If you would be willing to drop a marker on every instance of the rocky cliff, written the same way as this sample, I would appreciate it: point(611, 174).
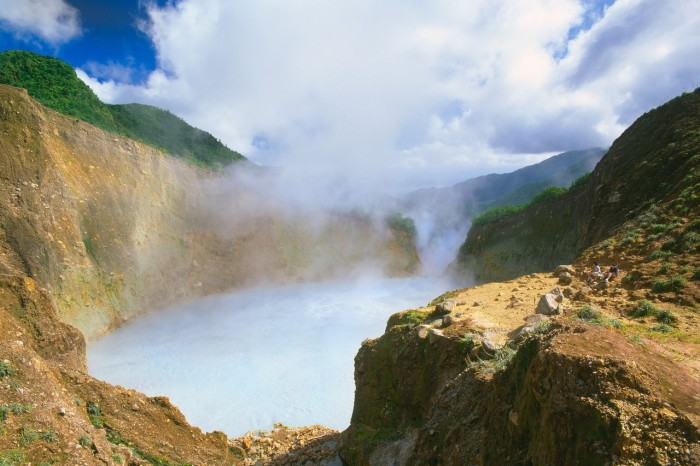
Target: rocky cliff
point(113, 228)
point(653, 162)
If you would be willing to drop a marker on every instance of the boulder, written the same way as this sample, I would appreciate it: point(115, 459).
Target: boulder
point(488, 349)
point(514, 302)
point(565, 278)
point(446, 306)
point(549, 303)
point(564, 268)
point(533, 319)
point(558, 295)
point(435, 335)
point(423, 331)
point(583, 293)
point(523, 332)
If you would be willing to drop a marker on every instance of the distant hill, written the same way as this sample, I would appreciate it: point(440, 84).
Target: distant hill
point(55, 84)
point(478, 194)
point(443, 215)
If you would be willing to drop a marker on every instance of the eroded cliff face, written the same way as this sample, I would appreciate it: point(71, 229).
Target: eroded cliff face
point(92, 217)
point(113, 228)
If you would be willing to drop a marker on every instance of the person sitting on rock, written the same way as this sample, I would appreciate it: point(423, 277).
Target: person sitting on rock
point(612, 273)
point(596, 273)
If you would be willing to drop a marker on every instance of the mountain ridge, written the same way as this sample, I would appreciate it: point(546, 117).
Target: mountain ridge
point(55, 84)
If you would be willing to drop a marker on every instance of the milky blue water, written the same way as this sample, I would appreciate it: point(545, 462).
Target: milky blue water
point(241, 361)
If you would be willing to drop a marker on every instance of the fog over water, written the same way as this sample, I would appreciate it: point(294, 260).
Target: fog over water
point(241, 361)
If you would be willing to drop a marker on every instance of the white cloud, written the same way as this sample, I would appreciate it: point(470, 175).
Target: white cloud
point(54, 21)
point(415, 93)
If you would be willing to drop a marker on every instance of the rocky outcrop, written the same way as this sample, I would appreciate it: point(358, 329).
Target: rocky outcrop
point(486, 389)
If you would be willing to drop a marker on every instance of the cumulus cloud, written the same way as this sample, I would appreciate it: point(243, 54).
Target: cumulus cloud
point(408, 94)
point(53, 21)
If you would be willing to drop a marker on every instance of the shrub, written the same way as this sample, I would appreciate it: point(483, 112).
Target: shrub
point(5, 369)
point(663, 328)
point(396, 221)
point(614, 323)
point(12, 457)
point(467, 340)
point(496, 213)
point(581, 181)
point(630, 238)
point(659, 254)
point(644, 309)
point(86, 441)
point(588, 313)
point(660, 228)
point(632, 277)
point(547, 194)
point(665, 268)
point(28, 435)
point(605, 244)
point(14, 408)
point(696, 275)
point(95, 414)
point(666, 317)
point(672, 284)
point(542, 326)
point(499, 362)
point(689, 241)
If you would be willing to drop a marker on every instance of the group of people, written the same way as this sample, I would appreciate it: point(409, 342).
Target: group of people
point(597, 275)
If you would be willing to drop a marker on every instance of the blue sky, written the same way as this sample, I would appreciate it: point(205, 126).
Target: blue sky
point(394, 93)
point(107, 33)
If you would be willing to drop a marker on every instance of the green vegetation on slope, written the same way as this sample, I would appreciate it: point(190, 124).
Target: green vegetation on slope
point(500, 212)
point(173, 135)
point(55, 84)
point(398, 222)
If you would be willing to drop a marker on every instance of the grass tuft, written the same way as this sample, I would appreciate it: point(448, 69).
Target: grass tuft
point(5, 369)
point(672, 284)
point(644, 309)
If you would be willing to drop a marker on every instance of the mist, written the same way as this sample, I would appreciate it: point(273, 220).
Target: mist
point(280, 225)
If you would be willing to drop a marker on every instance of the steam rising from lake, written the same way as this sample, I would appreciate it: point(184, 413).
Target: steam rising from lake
point(241, 361)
